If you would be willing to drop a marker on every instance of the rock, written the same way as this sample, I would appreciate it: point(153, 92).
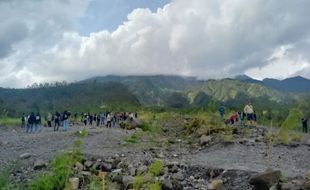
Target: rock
point(174, 169)
point(293, 185)
point(161, 155)
point(115, 162)
point(25, 156)
point(74, 182)
point(265, 180)
point(167, 184)
point(178, 176)
point(86, 173)
point(141, 169)
point(127, 182)
point(39, 164)
point(88, 164)
point(215, 184)
point(176, 185)
point(79, 166)
point(131, 123)
point(132, 171)
point(205, 140)
point(106, 167)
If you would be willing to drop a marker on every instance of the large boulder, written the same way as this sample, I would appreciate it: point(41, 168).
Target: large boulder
point(131, 123)
point(265, 180)
point(39, 164)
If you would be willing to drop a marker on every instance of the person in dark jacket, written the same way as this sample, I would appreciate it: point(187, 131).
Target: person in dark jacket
point(57, 121)
point(304, 122)
point(38, 123)
point(30, 123)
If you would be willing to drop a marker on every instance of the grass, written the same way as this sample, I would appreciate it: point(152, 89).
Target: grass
point(156, 168)
point(307, 180)
point(60, 170)
point(5, 183)
point(149, 180)
point(8, 121)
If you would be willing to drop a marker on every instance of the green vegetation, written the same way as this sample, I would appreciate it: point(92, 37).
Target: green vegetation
point(5, 183)
point(293, 120)
point(307, 180)
point(7, 121)
point(60, 169)
point(149, 179)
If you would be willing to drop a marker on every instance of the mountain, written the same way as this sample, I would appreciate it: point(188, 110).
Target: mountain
point(76, 97)
point(294, 84)
point(246, 78)
point(151, 90)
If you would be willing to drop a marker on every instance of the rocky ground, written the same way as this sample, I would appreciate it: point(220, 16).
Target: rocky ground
point(211, 163)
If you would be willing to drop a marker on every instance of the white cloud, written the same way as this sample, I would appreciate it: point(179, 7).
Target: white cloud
point(204, 38)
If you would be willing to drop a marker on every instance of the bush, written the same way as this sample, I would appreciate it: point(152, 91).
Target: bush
point(137, 182)
point(156, 168)
point(283, 136)
point(307, 180)
point(154, 186)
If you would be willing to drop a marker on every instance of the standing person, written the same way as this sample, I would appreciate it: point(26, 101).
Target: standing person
point(38, 123)
point(91, 117)
point(304, 122)
point(249, 111)
point(109, 121)
point(75, 116)
point(102, 117)
point(57, 122)
point(98, 120)
point(30, 123)
point(222, 111)
point(65, 118)
point(49, 119)
point(113, 120)
point(85, 119)
point(23, 120)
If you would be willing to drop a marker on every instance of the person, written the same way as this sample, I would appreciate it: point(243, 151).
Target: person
point(304, 122)
point(49, 119)
point(65, 118)
point(85, 119)
point(102, 117)
point(222, 111)
point(38, 123)
point(30, 123)
point(57, 122)
point(23, 119)
point(109, 120)
point(98, 120)
point(75, 116)
point(249, 111)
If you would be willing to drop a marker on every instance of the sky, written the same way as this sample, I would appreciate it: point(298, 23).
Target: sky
point(56, 40)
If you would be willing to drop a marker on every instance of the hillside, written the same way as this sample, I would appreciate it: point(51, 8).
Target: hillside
point(76, 97)
point(294, 84)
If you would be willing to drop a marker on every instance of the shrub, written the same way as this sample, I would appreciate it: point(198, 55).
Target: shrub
point(154, 186)
point(307, 180)
point(283, 136)
point(137, 182)
point(156, 168)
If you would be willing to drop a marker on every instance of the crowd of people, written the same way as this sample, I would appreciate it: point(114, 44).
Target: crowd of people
point(248, 114)
point(32, 123)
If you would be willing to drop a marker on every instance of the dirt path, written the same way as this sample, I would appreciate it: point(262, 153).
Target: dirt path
point(293, 161)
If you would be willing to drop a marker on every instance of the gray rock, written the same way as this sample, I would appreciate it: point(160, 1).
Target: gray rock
point(74, 182)
point(293, 185)
point(106, 167)
point(167, 184)
point(205, 140)
point(215, 184)
point(86, 173)
point(39, 164)
point(127, 182)
point(25, 156)
point(178, 176)
point(88, 164)
point(79, 166)
point(141, 169)
point(265, 180)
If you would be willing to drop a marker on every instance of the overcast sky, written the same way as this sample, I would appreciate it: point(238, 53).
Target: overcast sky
point(55, 40)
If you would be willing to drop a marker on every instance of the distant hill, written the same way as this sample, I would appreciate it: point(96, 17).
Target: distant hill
point(76, 97)
point(294, 84)
point(152, 90)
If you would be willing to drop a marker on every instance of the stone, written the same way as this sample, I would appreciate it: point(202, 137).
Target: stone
point(161, 155)
point(79, 166)
point(167, 184)
point(86, 173)
point(216, 184)
point(88, 164)
point(142, 169)
point(127, 182)
point(265, 180)
point(106, 167)
point(25, 156)
point(174, 169)
point(204, 139)
point(74, 182)
point(178, 176)
point(39, 164)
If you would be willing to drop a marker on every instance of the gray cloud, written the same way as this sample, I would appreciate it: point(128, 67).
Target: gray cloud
point(204, 38)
